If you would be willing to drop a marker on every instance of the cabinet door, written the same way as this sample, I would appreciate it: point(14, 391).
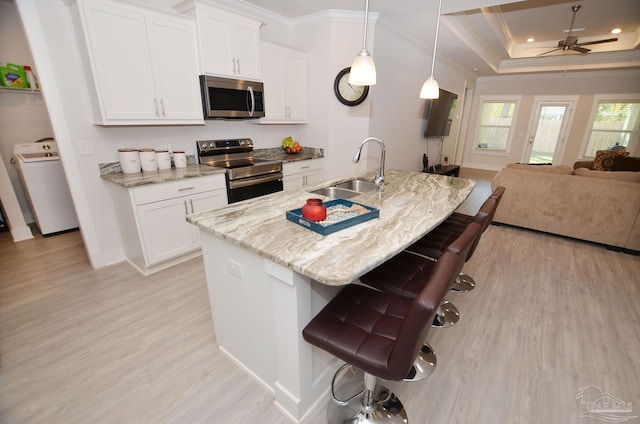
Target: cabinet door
point(164, 231)
point(246, 49)
point(215, 43)
point(285, 74)
point(313, 177)
point(172, 44)
point(204, 202)
point(292, 182)
point(121, 64)
point(274, 80)
point(297, 86)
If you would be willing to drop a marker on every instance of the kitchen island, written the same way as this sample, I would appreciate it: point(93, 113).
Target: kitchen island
point(267, 277)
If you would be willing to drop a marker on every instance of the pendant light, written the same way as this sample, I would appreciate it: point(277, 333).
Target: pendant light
point(430, 89)
point(363, 70)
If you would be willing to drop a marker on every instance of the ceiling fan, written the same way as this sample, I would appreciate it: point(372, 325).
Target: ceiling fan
point(571, 42)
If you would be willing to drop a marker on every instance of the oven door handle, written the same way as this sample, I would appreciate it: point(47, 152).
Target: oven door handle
point(245, 182)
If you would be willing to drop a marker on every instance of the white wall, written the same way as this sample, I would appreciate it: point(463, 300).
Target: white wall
point(585, 85)
point(397, 112)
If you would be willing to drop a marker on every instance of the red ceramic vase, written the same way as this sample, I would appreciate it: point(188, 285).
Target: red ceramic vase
point(314, 210)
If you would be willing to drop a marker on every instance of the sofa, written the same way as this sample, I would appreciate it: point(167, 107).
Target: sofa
point(582, 203)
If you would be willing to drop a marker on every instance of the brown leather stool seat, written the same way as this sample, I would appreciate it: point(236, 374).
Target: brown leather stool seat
point(381, 333)
point(436, 242)
point(404, 273)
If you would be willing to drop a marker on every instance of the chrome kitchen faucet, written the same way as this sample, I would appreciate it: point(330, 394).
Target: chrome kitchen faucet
point(380, 173)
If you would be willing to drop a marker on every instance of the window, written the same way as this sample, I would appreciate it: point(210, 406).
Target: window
point(496, 119)
point(614, 124)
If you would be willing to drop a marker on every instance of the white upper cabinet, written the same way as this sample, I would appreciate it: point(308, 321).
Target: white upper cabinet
point(229, 43)
point(285, 74)
point(144, 65)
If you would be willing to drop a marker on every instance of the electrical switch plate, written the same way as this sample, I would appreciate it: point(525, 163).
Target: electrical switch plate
point(85, 148)
point(235, 268)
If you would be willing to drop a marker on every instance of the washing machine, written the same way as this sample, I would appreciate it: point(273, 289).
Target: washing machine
point(45, 184)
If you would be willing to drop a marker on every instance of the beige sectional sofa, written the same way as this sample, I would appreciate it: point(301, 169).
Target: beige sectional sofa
point(597, 206)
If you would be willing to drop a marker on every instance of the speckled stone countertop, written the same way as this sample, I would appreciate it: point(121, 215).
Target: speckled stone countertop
point(160, 176)
point(411, 204)
point(278, 153)
point(111, 171)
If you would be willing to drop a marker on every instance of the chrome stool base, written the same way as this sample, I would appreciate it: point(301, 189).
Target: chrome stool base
point(386, 407)
point(463, 283)
point(424, 365)
point(446, 316)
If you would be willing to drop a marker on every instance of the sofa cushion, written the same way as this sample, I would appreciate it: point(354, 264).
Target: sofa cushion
point(630, 176)
point(604, 159)
point(625, 163)
point(550, 169)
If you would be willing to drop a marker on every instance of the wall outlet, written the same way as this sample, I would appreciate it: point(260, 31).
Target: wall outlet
point(235, 269)
point(85, 148)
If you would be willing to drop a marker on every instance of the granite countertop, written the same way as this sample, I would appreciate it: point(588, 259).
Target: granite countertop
point(111, 171)
point(277, 153)
point(411, 204)
point(160, 176)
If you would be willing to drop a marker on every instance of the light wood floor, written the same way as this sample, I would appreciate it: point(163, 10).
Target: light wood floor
point(549, 316)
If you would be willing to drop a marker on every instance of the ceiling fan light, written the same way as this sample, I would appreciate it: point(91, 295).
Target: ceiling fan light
point(363, 70)
point(430, 89)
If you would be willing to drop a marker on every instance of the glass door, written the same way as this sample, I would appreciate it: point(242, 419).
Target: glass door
point(547, 132)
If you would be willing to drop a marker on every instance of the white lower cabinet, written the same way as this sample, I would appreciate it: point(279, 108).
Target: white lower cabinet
point(153, 224)
point(302, 173)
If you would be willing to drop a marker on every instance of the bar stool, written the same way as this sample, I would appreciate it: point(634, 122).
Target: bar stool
point(381, 334)
point(405, 275)
point(436, 241)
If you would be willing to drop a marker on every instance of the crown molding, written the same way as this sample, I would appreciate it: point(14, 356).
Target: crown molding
point(572, 62)
point(606, 73)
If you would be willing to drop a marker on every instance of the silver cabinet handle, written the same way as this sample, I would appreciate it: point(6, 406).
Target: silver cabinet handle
point(233, 60)
point(186, 210)
point(186, 188)
point(162, 107)
point(155, 106)
point(191, 203)
point(238, 60)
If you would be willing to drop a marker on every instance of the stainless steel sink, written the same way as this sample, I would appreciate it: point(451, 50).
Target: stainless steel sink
point(346, 189)
point(361, 186)
point(336, 192)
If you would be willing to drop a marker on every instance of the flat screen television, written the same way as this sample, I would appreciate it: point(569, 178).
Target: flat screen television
point(439, 114)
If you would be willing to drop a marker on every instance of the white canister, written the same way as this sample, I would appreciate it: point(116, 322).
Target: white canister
point(129, 160)
point(179, 159)
point(164, 159)
point(148, 159)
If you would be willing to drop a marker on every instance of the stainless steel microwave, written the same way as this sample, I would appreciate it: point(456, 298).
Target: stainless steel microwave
point(230, 98)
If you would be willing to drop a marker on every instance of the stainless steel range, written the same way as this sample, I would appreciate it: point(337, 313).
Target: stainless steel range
point(246, 176)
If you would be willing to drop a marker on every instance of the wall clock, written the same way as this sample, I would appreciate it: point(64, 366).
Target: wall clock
point(347, 94)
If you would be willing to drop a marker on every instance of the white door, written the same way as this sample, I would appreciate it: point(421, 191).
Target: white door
point(548, 132)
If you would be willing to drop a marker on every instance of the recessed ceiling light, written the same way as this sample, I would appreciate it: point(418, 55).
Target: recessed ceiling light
point(616, 31)
point(530, 40)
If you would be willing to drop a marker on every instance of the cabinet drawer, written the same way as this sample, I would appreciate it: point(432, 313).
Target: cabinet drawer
point(296, 167)
point(169, 190)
